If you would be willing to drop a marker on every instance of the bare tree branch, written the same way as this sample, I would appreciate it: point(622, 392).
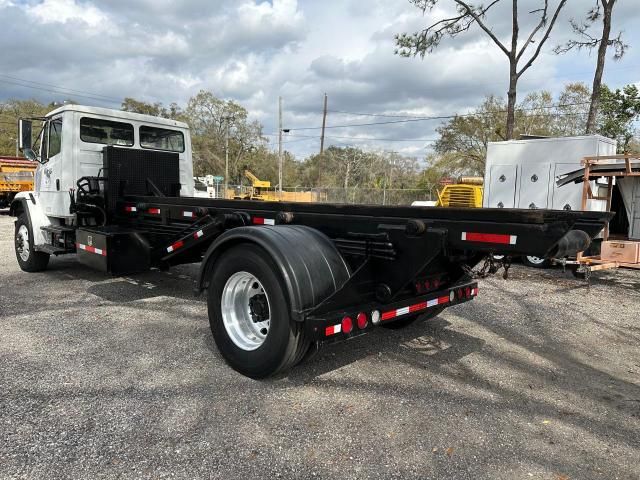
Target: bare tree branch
point(477, 18)
point(543, 21)
point(467, 15)
point(543, 39)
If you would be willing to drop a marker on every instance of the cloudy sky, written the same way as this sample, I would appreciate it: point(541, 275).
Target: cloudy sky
point(99, 52)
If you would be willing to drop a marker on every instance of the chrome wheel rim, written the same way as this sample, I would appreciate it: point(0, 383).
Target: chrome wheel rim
point(22, 243)
point(535, 260)
point(246, 313)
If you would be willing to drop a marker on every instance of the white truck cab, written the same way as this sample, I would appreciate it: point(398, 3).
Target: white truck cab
point(70, 147)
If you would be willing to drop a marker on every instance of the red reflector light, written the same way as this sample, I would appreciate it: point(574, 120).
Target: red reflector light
point(427, 284)
point(362, 320)
point(459, 293)
point(347, 325)
point(467, 292)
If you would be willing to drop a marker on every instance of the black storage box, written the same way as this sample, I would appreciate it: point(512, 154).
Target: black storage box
point(112, 249)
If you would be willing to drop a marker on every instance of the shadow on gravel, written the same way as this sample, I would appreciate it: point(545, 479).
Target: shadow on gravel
point(575, 378)
point(423, 344)
point(622, 277)
point(622, 280)
point(177, 283)
point(145, 286)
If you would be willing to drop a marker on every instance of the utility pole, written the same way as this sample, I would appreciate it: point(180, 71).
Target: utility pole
point(226, 159)
point(324, 123)
point(280, 146)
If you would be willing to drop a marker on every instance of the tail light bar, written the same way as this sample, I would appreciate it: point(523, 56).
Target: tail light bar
point(377, 316)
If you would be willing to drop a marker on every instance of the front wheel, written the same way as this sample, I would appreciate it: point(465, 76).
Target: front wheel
point(536, 262)
point(28, 259)
point(249, 314)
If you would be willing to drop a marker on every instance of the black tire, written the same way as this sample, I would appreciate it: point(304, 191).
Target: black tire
point(34, 261)
point(285, 343)
point(537, 263)
point(405, 322)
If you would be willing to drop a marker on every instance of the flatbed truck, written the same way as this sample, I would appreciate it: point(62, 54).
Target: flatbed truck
point(281, 279)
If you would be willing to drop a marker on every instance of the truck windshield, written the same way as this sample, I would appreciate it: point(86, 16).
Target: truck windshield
point(161, 139)
point(97, 130)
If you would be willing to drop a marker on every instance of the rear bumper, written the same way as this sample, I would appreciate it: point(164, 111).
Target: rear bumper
point(336, 326)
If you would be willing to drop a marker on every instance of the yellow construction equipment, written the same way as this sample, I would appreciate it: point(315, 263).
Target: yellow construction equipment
point(262, 190)
point(257, 190)
point(16, 175)
point(466, 192)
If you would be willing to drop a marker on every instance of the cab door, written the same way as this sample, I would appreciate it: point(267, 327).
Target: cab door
point(49, 181)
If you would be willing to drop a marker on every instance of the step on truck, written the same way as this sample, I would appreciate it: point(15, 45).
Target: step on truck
point(115, 189)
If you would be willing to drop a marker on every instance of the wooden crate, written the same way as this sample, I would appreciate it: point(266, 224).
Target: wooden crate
point(620, 251)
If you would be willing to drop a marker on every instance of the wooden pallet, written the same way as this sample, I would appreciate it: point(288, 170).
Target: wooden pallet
point(596, 263)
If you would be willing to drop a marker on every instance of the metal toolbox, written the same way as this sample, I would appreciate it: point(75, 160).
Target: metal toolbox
point(112, 249)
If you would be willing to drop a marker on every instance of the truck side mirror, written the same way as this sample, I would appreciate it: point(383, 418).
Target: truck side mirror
point(24, 136)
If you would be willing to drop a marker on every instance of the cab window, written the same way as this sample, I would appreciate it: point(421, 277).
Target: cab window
point(106, 132)
point(161, 139)
point(42, 141)
point(55, 137)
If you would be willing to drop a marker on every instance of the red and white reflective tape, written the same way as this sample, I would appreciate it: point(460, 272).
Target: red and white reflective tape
point(502, 239)
point(90, 249)
point(414, 308)
point(174, 246)
point(332, 330)
point(188, 214)
point(198, 234)
point(263, 221)
point(129, 208)
point(474, 292)
point(154, 211)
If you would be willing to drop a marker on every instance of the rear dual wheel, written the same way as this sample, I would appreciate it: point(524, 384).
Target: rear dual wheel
point(249, 314)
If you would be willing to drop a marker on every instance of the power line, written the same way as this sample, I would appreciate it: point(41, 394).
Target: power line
point(61, 88)
point(359, 138)
point(91, 97)
point(421, 117)
point(289, 141)
point(445, 117)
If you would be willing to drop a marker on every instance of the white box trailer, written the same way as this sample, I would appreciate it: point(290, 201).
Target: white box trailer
point(523, 173)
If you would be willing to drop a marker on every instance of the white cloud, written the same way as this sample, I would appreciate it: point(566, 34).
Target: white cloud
point(63, 11)
point(279, 14)
point(255, 50)
point(167, 43)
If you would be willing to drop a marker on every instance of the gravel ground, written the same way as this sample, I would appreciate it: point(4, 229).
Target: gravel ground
point(119, 378)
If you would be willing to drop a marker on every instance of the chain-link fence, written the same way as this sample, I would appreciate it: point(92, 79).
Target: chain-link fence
point(351, 195)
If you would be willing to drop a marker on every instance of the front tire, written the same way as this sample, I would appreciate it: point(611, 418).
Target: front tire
point(28, 259)
point(249, 314)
